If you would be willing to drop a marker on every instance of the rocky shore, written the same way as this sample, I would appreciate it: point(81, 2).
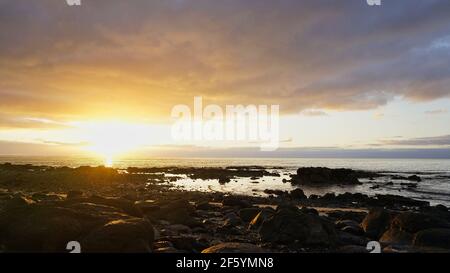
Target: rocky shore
point(134, 210)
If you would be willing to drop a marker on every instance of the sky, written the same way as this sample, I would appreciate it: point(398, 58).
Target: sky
point(103, 77)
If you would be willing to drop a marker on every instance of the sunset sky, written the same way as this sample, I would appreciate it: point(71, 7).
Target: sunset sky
point(104, 76)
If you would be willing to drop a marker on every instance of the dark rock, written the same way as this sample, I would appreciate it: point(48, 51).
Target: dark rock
point(260, 218)
point(132, 235)
point(389, 200)
point(298, 194)
point(376, 222)
point(345, 223)
point(187, 243)
point(436, 238)
point(236, 201)
point(162, 244)
point(74, 194)
point(324, 176)
point(276, 192)
point(147, 206)
point(413, 222)
point(234, 248)
point(289, 225)
point(204, 206)
point(355, 230)
point(248, 214)
point(344, 238)
point(394, 236)
point(176, 212)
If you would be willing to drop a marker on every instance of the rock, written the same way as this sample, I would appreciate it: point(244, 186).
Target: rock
point(176, 212)
point(376, 222)
point(177, 228)
point(355, 230)
point(390, 200)
point(435, 237)
point(187, 243)
point(413, 222)
point(17, 201)
point(276, 192)
point(235, 201)
point(46, 197)
point(133, 235)
point(147, 206)
point(248, 214)
point(231, 219)
point(125, 205)
point(344, 223)
point(167, 250)
point(345, 238)
point(289, 225)
point(260, 218)
point(204, 206)
point(38, 228)
point(162, 244)
point(394, 236)
point(352, 249)
point(74, 194)
point(324, 176)
point(311, 211)
point(234, 248)
point(298, 194)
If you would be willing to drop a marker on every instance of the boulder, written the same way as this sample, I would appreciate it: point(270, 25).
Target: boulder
point(376, 222)
point(235, 201)
point(394, 236)
point(234, 248)
point(317, 176)
point(413, 222)
point(248, 214)
point(289, 225)
point(298, 194)
point(119, 236)
point(435, 238)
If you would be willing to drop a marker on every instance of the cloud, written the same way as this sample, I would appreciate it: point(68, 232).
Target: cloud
point(313, 113)
point(436, 112)
point(111, 58)
point(421, 141)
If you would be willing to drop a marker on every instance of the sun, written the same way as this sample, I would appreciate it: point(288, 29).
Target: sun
point(113, 139)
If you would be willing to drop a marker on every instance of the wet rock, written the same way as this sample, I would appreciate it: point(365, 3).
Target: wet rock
point(311, 211)
point(394, 236)
point(345, 223)
point(298, 194)
point(436, 238)
point(132, 235)
point(276, 192)
point(289, 225)
point(125, 205)
point(376, 222)
point(234, 248)
point(231, 220)
point(317, 176)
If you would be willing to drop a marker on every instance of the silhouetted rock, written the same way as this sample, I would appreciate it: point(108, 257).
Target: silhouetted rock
point(376, 222)
point(318, 176)
point(298, 194)
point(289, 225)
point(436, 237)
point(119, 236)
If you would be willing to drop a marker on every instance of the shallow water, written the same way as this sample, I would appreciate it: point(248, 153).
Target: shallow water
point(435, 173)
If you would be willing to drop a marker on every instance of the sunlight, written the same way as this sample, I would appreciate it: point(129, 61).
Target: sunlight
point(112, 139)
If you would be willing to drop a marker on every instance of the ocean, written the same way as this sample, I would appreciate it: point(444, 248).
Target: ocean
point(434, 187)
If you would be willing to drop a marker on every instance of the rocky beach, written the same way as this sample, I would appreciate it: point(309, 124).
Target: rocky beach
point(136, 210)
